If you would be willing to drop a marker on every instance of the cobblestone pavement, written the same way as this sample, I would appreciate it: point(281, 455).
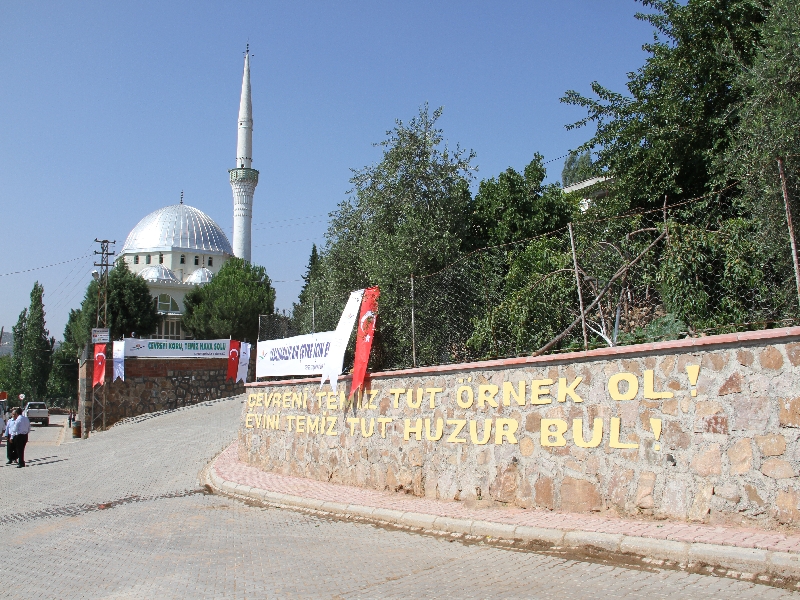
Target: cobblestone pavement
point(120, 516)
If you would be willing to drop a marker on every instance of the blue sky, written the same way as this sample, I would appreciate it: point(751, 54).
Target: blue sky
point(108, 110)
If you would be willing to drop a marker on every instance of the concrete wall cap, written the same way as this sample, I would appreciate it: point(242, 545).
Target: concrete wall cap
point(775, 336)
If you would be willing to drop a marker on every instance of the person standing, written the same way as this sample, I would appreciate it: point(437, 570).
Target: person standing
point(22, 427)
point(11, 454)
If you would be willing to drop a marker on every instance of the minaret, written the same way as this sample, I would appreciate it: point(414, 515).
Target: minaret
point(244, 179)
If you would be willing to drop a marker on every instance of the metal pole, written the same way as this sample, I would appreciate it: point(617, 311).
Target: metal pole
point(791, 228)
point(578, 285)
point(313, 315)
point(413, 327)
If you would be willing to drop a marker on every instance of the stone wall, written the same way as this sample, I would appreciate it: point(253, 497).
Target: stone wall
point(704, 429)
point(154, 384)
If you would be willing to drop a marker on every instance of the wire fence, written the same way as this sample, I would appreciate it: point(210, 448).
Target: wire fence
point(679, 271)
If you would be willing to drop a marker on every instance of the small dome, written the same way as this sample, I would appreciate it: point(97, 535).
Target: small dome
point(159, 273)
point(201, 275)
point(179, 226)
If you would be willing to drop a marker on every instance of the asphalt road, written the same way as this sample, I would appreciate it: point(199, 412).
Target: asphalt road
point(121, 515)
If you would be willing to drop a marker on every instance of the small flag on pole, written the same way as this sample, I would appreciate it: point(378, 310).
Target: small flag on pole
point(119, 360)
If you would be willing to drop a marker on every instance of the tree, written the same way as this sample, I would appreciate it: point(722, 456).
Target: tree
point(230, 304)
point(515, 206)
point(409, 214)
point(769, 121)
point(131, 308)
point(130, 305)
point(665, 137)
point(63, 381)
point(577, 168)
point(14, 383)
point(6, 377)
point(304, 311)
point(37, 348)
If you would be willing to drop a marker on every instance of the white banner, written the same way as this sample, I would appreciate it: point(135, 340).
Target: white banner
point(176, 348)
point(335, 360)
point(119, 361)
point(244, 362)
point(299, 355)
point(311, 354)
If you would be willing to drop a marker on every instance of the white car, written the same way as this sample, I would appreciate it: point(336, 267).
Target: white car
point(37, 412)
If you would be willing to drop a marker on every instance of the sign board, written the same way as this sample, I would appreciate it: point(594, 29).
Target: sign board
point(100, 336)
point(3, 395)
point(136, 348)
point(299, 355)
point(312, 354)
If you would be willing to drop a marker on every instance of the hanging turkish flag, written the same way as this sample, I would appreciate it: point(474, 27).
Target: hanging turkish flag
point(233, 360)
point(99, 377)
point(364, 336)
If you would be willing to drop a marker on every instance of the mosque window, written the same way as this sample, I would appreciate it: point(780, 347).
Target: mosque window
point(161, 258)
point(197, 260)
point(183, 259)
point(210, 262)
point(147, 259)
point(136, 259)
point(166, 303)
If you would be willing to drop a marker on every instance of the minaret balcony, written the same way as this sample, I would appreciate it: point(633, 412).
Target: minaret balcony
point(244, 175)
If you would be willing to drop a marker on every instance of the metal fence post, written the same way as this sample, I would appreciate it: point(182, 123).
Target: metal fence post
point(789, 224)
point(413, 327)
point(578, 284)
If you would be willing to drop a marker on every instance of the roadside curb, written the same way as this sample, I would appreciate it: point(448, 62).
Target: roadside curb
point(754, 564)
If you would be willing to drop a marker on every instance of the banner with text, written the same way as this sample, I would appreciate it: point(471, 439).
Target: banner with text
point(299, 355)
point(135, 348)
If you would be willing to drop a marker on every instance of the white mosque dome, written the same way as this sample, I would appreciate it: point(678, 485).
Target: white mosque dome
point(177, 227)
point(159, 274)
point(201, 275)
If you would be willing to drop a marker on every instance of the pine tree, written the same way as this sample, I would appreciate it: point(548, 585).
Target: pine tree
point(37, 348)
point(18, 336)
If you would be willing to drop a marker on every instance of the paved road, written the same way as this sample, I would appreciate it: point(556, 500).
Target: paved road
point(52, 435)
point(120, 516)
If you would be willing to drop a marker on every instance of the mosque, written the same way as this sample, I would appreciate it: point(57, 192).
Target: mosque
point(178, 247)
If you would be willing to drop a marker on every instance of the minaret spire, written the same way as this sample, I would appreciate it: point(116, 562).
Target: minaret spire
point(244, 146)
point(244, 179)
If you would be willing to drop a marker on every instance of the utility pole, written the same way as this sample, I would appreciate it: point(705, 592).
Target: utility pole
point(99, 405)
point(789, 224)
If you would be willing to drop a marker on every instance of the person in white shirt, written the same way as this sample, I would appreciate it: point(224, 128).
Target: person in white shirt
point(11, 454)
point(22, 427)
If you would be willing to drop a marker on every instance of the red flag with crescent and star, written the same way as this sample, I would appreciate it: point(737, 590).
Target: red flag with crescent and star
point(233, 359)
point(99, 376)
point(364, 335)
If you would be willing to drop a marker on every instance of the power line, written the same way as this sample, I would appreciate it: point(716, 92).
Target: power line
point(63, 262)
point(287, 242)
point(286, 220)
point(69, 289)
point(54, 293)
